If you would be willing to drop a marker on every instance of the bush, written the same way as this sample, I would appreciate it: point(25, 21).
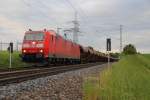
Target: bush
point(129, 49)
point(115, 55)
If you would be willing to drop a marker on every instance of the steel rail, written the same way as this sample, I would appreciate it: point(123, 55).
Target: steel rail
point(24, 75)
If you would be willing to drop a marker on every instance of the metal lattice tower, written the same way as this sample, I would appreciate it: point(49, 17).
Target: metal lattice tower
point(121, 26)
point(75, 29)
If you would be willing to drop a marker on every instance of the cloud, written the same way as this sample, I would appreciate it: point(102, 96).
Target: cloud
point(10, 29)
point(98, 19)
point(10, 24)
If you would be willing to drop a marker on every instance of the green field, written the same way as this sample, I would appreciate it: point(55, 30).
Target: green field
point(16, 60)
point(128, 79)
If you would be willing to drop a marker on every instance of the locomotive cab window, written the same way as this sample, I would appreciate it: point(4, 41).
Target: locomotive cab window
point(34, 36)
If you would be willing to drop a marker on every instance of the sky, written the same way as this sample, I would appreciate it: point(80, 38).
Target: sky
point(98, 19)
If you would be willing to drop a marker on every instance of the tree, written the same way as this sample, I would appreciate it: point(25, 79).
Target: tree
point(129, 49)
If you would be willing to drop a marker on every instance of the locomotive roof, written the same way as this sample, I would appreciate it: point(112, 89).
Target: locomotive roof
point(51, 31)
point(34, 31)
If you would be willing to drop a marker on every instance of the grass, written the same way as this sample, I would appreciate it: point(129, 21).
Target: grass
point(16, 60)
point(129, 79)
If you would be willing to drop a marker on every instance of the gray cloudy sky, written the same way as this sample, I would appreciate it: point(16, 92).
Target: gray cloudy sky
point(98, 19)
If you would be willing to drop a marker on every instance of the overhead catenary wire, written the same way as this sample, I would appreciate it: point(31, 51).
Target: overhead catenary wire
point(105, 33)
point(76, 10)
point(81, 12)
point(76, 28)
point(41, 12)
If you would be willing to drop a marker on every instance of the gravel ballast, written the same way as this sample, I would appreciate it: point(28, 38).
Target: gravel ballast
point(64, 86)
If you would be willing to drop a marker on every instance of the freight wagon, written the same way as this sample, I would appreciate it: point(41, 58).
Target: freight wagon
point(49, 47)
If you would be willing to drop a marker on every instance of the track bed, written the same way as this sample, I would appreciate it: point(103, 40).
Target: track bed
point(16, 76)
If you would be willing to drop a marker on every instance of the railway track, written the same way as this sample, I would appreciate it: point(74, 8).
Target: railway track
point(23, 75)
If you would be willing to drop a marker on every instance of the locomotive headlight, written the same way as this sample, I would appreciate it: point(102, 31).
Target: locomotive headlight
point(33, 43)
point(24, 51)
point(40, 45)
point(41, 51)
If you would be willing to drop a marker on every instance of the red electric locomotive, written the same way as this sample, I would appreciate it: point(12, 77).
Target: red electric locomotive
point(50, 47)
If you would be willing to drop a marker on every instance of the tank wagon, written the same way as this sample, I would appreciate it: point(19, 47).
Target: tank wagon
point(49, 47)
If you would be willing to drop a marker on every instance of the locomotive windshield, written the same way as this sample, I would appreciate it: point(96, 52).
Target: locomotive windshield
point(34, 36)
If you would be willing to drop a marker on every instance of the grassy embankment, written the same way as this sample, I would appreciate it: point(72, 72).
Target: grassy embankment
point(16, 60)
point(128, 79)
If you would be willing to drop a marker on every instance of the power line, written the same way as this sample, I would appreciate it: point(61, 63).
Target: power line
point(75, 29)
point(44, 5)
point(75, 22)
point(68, 1)
point(76, 10)
point(82, 13)
point(39, 10)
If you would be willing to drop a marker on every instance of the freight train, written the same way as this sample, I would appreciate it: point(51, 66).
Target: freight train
point(49, 47)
